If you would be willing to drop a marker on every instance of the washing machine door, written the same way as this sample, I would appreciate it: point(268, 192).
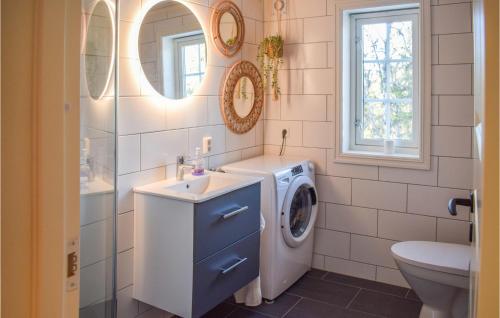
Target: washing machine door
point(299, 211)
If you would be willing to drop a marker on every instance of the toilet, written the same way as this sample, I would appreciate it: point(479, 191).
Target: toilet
point(439, 275)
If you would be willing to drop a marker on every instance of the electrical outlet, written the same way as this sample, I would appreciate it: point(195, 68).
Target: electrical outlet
point(207, 145)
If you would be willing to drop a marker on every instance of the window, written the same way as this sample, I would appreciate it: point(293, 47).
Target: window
point(188, 54)
point(386, 81)
point(190, 62)
point(383, 100)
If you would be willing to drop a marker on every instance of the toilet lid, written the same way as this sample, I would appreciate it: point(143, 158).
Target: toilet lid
point(443, 257)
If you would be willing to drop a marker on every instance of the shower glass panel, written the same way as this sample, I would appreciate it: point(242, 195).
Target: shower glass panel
point(97, 159)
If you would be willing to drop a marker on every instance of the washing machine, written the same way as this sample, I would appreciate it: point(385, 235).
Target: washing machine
point(289, 206)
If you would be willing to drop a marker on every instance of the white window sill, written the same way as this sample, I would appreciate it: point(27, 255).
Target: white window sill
point(396, 160)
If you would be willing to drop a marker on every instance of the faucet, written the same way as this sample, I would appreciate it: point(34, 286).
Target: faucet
point(181, 165)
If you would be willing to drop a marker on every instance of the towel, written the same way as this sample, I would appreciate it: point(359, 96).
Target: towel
point(251, 294)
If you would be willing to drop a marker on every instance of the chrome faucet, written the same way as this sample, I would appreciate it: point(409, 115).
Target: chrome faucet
point(181, 165)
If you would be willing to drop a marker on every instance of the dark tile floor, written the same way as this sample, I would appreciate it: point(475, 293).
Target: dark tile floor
point(321, 294)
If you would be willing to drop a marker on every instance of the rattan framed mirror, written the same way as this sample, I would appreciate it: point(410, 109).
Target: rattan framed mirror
point(228, 28)
point(242, 97)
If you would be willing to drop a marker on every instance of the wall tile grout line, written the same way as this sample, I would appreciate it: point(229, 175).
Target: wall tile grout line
point(388, 210)
point(356, 261)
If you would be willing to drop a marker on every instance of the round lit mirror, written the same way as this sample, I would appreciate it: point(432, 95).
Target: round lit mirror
point(99, 50)
point(172, 50)
point(243, 97)
point(228, 28)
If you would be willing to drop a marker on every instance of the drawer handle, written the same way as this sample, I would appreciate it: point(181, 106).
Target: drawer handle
point(240, 261)
point(235, 212)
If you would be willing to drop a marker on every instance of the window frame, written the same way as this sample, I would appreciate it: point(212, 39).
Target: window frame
point(416, 155)
point(357, 22)
point(179, 65)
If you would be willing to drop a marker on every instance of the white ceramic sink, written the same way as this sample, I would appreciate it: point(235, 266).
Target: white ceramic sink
point(198, 189)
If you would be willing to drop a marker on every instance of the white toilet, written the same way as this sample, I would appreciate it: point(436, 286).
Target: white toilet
point(439, 275)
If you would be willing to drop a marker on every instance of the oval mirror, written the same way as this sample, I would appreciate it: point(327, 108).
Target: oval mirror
point(228, 28)
point(243, 97)
point(172, 50)
point(99, 50)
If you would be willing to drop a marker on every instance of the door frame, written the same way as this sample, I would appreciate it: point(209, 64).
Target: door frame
point(485, 275)
point(41, 137)
point(56, 146)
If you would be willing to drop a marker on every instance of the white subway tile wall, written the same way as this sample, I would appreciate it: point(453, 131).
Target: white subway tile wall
point(153, 131)
point(365, 209)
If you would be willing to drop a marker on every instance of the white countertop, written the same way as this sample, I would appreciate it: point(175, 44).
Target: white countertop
point(196, 189)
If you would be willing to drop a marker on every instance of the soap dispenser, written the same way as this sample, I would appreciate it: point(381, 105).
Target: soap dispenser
point(198, 169)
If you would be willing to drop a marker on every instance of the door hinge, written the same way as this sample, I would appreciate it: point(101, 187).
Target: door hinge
point(72, 264)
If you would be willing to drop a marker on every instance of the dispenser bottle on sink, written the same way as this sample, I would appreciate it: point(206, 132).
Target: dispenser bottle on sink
point(198, 169)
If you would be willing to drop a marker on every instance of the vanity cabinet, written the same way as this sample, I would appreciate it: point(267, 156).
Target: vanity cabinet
point(191, 256)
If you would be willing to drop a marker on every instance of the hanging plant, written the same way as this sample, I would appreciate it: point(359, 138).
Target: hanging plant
point(231, 41)
point(241, 89)
point(270, 57)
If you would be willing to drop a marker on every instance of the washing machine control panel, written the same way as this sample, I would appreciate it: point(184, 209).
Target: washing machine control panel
point(297, 170)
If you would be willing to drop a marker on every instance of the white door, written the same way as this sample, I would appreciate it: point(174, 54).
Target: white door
point(478, 142)
point(484, 266)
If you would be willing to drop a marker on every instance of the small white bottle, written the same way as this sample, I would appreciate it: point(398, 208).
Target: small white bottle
point(389, 146)
point(198, 163)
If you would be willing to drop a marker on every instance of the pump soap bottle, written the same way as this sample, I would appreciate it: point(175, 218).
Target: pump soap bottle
point(198, 163)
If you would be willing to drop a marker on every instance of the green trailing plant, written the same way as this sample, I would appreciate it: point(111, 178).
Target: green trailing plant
point(231, 41)
point(241, 89)
point(270, 57)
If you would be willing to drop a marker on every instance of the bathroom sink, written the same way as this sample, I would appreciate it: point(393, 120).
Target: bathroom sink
point(203, 184)
point(198, 188)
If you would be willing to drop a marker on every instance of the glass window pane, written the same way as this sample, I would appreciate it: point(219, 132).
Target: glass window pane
point(374, 80)
point(401, 121)
point(203, 57)
point(191, 59)
point(374, 38)
point(401, 40)
point(387, 78)
point(401, 80)
point(192, 82)
point(373, 120)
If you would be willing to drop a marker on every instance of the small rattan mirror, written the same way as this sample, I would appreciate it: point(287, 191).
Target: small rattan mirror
point(242, 98)
point(228, 28)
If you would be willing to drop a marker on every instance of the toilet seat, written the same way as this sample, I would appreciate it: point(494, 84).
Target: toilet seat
point(436, 256)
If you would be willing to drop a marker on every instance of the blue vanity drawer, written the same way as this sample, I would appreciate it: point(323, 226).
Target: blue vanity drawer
point(224, 220)
point(222, 274)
